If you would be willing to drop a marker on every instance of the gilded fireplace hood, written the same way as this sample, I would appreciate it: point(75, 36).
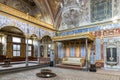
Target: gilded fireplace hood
point(86, 35)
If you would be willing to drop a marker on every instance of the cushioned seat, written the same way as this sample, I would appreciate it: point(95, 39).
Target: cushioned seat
point(74, 61)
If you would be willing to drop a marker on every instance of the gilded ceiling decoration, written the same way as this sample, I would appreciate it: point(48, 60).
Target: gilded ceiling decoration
point(54, 5)
point(44, 10)
point(67, 14)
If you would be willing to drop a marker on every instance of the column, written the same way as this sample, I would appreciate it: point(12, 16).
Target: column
point(60, 50)
point(34, 50)
point(38, 56)
point(4, 43)
point(9, 52)
point(1, 47)
point(23, 48)
point(86, 48)
point(89, 50)
point(56, 52)
point(53, 51)
point(26, 51)
point(45, 50)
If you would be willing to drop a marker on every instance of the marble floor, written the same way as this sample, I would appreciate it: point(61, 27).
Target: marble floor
point(63, 74)
point(20, 64)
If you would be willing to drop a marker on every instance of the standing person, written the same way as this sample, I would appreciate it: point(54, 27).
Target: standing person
point(51, 59)
point(92, 61)
point(92, 58)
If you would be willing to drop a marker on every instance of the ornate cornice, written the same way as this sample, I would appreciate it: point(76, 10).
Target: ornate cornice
point(19, 14)
point(74, 36)
point(26, 27)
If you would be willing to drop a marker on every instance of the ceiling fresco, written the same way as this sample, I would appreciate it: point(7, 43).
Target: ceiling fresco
point(54, 5)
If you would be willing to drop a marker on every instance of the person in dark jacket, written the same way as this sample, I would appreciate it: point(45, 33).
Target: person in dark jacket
point(92, 61)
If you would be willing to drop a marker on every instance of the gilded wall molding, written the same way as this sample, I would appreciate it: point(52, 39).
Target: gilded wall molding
point(91, 28)
point(19, 14)
point(27, 28)
point(74, 36)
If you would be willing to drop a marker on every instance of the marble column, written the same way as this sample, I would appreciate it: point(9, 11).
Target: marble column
point(4, 43)
point(34, 44)
point(26, 51)
point(38, 56)
point(86, 48)
point(56, 52)
point(59, 50)
point(45, 50)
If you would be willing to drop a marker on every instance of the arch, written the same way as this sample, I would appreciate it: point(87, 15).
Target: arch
point(12, 29)
point(46, 45)
point(46, 39)
point(34, 36)
point(13, 42)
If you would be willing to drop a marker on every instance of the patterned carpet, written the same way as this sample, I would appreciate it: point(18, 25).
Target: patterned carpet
point(63, 74)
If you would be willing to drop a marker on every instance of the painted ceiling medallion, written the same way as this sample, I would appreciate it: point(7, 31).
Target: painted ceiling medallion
point(74, 13)
point(71, 17)
point(71, 11)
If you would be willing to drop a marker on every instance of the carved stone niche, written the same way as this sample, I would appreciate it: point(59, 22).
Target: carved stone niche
point(111, 52)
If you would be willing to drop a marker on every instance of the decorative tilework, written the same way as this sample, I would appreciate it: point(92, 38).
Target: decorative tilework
point(92, 29)
point(98, 49)
point(26, 28)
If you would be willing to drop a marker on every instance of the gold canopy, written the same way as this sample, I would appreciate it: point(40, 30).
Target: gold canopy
point(87, 35)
